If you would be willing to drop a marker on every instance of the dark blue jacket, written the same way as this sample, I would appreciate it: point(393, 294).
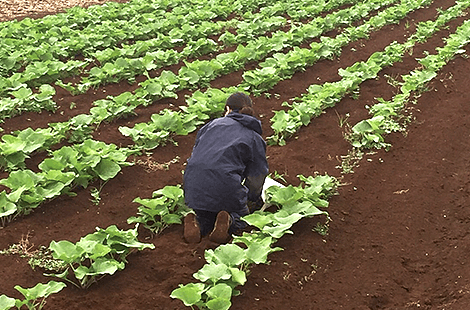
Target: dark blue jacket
point(228, 151)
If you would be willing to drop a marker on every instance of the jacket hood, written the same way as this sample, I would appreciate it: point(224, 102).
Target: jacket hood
point(248, 121)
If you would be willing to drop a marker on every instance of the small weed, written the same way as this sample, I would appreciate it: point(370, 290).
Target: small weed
point(42, 257)
point(152, 166)
point(95, 193)
point(393, 80)
point(322, 228)
point(407, 24)
point(278, 176)
point(355, 94)
point(351, 161)
point(342, 119)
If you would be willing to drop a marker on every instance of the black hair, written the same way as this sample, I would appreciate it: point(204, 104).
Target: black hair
point(238, 101)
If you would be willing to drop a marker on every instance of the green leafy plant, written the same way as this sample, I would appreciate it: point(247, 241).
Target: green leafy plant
point(96, 255)
point(387, 115)
point(41, 257)
point(35, 297)
point(227, 266)
point(166, 207)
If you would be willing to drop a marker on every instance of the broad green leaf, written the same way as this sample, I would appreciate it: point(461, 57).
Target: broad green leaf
point(63, 177)
point(189, 294)
point(172, 192)
point(227, 254)
point(12, 144)
point(189, 75)
point(258, 220)
point(6, 302)
point(284, 195)
point(107, 169)
point(220, 290)
point(284, 218)
point(6, 206)
point(258, 252)
point(171, 219)
point(21, 178)
point(238, 276)
point(278, 231)
point(93, 248)
point(154, 89)
point(15, 195)
point(46, 92)
point(213, 272)
point(50, 190)
point(299, 208)
point(219, 304)
point(158, 204)
point(66, 251)
point(23, 93)
point(35, 139)
point(101, 266)
point(41, 290)
point(15, 161)
point(104, 265)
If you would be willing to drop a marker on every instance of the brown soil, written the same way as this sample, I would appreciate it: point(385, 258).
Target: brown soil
point(398, 237)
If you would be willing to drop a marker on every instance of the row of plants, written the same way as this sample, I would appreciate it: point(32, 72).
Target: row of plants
point(25, 100)
point(387, 116)
point(150, 52)
point(250, 25)
point(65, 169)
point(282, 66)
point(81, 264)
point(228, 265)
point(27, 40)
point(144, 135)
point(14, 148)
point(129, 68)
point(320, 97)
point(151, 55)
point(199, 73)
point(167, 84)
point(127, 61)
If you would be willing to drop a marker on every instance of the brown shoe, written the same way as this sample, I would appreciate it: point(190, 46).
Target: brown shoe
point(220, 232)
point(192, 233)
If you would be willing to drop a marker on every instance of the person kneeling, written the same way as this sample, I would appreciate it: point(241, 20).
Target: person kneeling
point(225, 173)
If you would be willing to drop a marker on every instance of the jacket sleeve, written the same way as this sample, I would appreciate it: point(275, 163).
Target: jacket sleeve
point(256, 171)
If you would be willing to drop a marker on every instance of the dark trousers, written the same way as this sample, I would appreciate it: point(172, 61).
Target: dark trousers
point(206, 220)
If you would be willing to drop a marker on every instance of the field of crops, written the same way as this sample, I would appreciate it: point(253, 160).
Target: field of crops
point(364, 107)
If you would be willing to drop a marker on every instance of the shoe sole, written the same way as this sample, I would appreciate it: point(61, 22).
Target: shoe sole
point(222, 224)
point(192, 233)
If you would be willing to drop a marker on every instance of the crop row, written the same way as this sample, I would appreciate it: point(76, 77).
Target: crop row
point(386, 115)
point(162, 127)
point(218, 278)
point(152, 135)
point(280, 66)
point(227, 265)
point(21, 97)
point(320, 97)
point(23, 42)
point(198, 109)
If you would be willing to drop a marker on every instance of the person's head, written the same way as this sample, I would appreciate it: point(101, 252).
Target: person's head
point(239, 102)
